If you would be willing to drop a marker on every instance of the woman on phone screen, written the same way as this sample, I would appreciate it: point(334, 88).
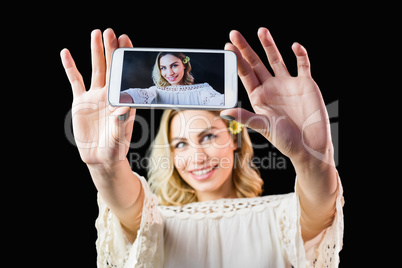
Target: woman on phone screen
point(174, 84)
point(201, 205)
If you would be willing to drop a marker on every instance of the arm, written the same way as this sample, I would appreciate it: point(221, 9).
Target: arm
point(317, 187)
point(291, 114)
point(101, 137)
point(126, 98)
point(122, 192)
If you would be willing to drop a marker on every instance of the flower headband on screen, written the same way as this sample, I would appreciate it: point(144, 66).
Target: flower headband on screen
point(186, 59)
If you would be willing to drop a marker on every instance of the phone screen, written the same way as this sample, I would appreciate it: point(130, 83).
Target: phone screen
point(173, 78)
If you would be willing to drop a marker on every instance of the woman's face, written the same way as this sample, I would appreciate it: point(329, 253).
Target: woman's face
point(203, 153)
point(172, 69)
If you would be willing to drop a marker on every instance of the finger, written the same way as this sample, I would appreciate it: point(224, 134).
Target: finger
point(259, 123)
point(124, 41)
point(249, 55)
point(122, 120)
point(73, 75)
point(274, 57)
point(246, 73)
point(111, 44)
point(122, 113)
point(303, 62)
point(98, 60)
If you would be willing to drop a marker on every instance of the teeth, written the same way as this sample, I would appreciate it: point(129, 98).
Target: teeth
point(202, 172)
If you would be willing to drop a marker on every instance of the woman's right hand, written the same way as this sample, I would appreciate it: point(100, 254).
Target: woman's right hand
point(102, 132)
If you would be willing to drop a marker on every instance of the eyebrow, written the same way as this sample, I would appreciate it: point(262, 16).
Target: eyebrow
point(169, 64)
point(198, 135)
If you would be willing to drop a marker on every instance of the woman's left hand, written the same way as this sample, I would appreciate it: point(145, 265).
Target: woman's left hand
point(289, 111)
point(291, 114)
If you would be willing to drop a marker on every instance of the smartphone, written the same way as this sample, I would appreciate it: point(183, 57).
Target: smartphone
point(173, 78)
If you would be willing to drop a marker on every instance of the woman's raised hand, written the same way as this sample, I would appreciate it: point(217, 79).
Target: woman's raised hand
point(102, 133)
point(289, 111)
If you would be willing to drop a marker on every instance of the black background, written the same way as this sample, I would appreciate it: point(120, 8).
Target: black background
point(61, 198)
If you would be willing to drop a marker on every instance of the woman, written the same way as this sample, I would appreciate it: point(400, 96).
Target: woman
point(212, 226)
point(174, 84)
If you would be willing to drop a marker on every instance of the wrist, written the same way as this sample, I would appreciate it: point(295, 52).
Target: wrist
point(314, 163)
point(108, 170)
point(316, 176)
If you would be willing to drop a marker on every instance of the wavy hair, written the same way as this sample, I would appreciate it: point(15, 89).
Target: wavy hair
point(160, 81)
point(172, 190)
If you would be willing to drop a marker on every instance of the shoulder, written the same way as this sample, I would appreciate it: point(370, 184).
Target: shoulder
point(141, 95)
point(225, 208)
point(207, 89)
point(205, 86)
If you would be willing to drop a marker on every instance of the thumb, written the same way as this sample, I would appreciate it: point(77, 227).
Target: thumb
point(259, 123)
point(122, 113)
point(123, 120)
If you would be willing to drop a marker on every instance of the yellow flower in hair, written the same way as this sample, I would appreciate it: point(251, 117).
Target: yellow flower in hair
point(186, 59)
point(235, 127)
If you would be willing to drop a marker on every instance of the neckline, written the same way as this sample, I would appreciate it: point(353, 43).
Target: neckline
point(225, 207)
point(184, 87)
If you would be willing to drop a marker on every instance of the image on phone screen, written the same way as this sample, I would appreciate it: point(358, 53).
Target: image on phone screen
point(173, 78)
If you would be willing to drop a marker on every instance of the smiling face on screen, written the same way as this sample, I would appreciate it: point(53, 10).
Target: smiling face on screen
point(172, 69)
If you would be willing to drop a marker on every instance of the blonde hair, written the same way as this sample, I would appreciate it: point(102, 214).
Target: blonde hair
point(172, 190)
point(158, 79)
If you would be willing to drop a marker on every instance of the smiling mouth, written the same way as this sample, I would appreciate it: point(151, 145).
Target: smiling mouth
point(204, 171)
point(171, 78)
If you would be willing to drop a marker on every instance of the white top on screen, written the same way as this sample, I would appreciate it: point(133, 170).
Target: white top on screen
point(197, 94)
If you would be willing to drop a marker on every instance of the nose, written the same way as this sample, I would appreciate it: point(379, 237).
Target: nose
point(200, 155)
point(170, 71)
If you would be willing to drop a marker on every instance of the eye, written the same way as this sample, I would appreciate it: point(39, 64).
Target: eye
point(208, 137)
point(180, 145)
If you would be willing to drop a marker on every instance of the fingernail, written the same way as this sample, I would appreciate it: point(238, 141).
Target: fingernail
point(123, 117)
point(228, 117)
point(94, 32)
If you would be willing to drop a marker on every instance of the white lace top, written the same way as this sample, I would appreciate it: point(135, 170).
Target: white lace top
point(197, 94)
point(248, 232)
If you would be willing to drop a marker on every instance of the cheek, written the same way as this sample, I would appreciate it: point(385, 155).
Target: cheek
point(180, 70)
point(222, 157)
point(180, 161)
point(225, 143)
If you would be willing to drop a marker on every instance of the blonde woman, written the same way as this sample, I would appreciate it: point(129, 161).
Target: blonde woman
point(174, 84)
point(203, 208)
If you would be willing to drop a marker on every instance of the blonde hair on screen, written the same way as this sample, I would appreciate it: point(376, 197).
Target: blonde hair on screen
point(172, 190)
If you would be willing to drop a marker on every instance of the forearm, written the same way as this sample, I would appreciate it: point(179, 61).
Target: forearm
point(126, 98)
point(122, 192)
point(317, 185)
point(117, 184)
point(317, 179)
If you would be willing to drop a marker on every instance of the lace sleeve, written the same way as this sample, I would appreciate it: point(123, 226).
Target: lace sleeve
point(323, 250)
point(113, 248)
point(210, 96)
point(142, 95)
